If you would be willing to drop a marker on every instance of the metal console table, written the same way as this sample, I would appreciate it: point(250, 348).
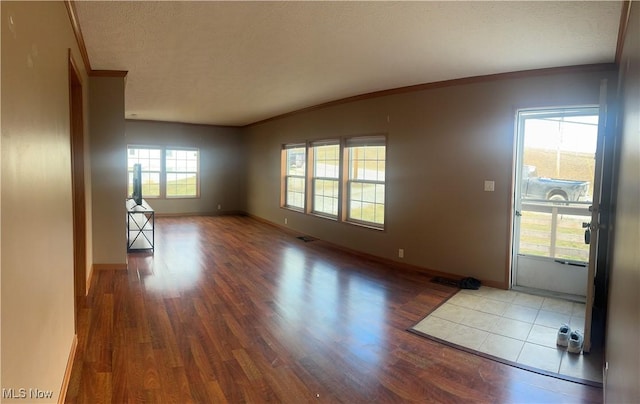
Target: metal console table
point(140, 224)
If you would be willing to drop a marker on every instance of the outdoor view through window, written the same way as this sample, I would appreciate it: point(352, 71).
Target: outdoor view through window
point(171, 173)
point(556, 184)
point(355, 196)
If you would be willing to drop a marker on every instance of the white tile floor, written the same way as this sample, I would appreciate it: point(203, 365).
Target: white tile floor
point(514, 326)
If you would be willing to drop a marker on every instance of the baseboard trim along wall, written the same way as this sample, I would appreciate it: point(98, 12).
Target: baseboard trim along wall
point(67, 372)
point(382, 260)
point(215, 213)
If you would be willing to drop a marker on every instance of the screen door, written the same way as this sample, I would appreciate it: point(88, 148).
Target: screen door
point(555, 171)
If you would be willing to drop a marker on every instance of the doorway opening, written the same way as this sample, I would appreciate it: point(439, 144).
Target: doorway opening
point(555, 180)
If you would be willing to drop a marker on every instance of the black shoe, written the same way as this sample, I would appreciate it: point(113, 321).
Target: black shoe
point(469, 283)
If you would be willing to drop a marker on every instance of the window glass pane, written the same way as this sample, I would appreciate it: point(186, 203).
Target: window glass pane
point(295, 192)
point(326, 197)
point(130, 182)
point(149, 160)
point(182, 185)
point(355, 209)
point(367, 167)
point(182, 173)
point(154, 165)
point(294, 169)
point(379, 214)
point(296, 161)
point(326, 171)
point(380, 194)
point(369, 192)
point(326, 162)
point(150, 184)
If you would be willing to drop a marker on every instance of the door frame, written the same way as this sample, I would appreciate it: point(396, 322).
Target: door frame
point(560, 265)
point(76, 129)
point(597, 293)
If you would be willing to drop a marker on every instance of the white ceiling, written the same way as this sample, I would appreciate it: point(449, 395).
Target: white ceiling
point(235, 63)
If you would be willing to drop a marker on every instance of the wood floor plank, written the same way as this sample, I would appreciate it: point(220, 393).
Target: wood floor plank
point(230, 309)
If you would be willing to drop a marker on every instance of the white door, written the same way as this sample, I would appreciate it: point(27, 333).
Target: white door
point(555, 176)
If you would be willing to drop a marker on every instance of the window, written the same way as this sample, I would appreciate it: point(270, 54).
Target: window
point(151, 161)
point(170, 173)
point(295, 176)
point(366, 182)
point(347, 179)
point(326, 170)
point(181, 173)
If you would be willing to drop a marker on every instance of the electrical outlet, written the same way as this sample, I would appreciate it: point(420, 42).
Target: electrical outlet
point(219, 206)
point(400, 252)
point(286, 221)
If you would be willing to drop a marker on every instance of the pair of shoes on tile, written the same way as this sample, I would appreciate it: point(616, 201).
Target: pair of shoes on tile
point(571, 339)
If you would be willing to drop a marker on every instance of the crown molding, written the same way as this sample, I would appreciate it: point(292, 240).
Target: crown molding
point(448, 83)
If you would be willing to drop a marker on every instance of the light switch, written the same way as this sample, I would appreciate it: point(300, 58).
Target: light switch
point(489, 186)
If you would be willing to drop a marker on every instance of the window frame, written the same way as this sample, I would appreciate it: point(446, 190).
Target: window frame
point(363, 142)
point(345, 180)
point(314, 178)
point(163, 171)
point(287, 175)
point(167, 172)
point(143, 171)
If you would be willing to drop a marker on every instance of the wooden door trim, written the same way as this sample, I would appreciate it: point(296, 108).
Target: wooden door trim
point(76, 129)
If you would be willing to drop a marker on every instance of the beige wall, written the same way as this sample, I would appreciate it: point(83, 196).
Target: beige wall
point(221, 162)
point(108, 170)
point(37, 234)
point(623, 317)
point(442, 144)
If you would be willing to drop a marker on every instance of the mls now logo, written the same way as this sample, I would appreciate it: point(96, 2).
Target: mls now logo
point(14, 393)
point(22, 393)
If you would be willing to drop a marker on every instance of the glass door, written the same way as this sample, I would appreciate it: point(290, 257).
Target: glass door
point(555, 171)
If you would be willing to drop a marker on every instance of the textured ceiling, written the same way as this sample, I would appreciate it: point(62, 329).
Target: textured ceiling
point(234, 63)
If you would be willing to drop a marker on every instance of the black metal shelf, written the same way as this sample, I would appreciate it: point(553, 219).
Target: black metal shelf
point(140, 226)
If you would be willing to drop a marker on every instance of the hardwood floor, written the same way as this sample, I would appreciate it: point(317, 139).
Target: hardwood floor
point(230, 309)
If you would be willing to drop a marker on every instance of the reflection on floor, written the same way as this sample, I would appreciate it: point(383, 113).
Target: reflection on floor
point(515, 327)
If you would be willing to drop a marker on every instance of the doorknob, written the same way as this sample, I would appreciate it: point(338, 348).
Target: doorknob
point(587, 232)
